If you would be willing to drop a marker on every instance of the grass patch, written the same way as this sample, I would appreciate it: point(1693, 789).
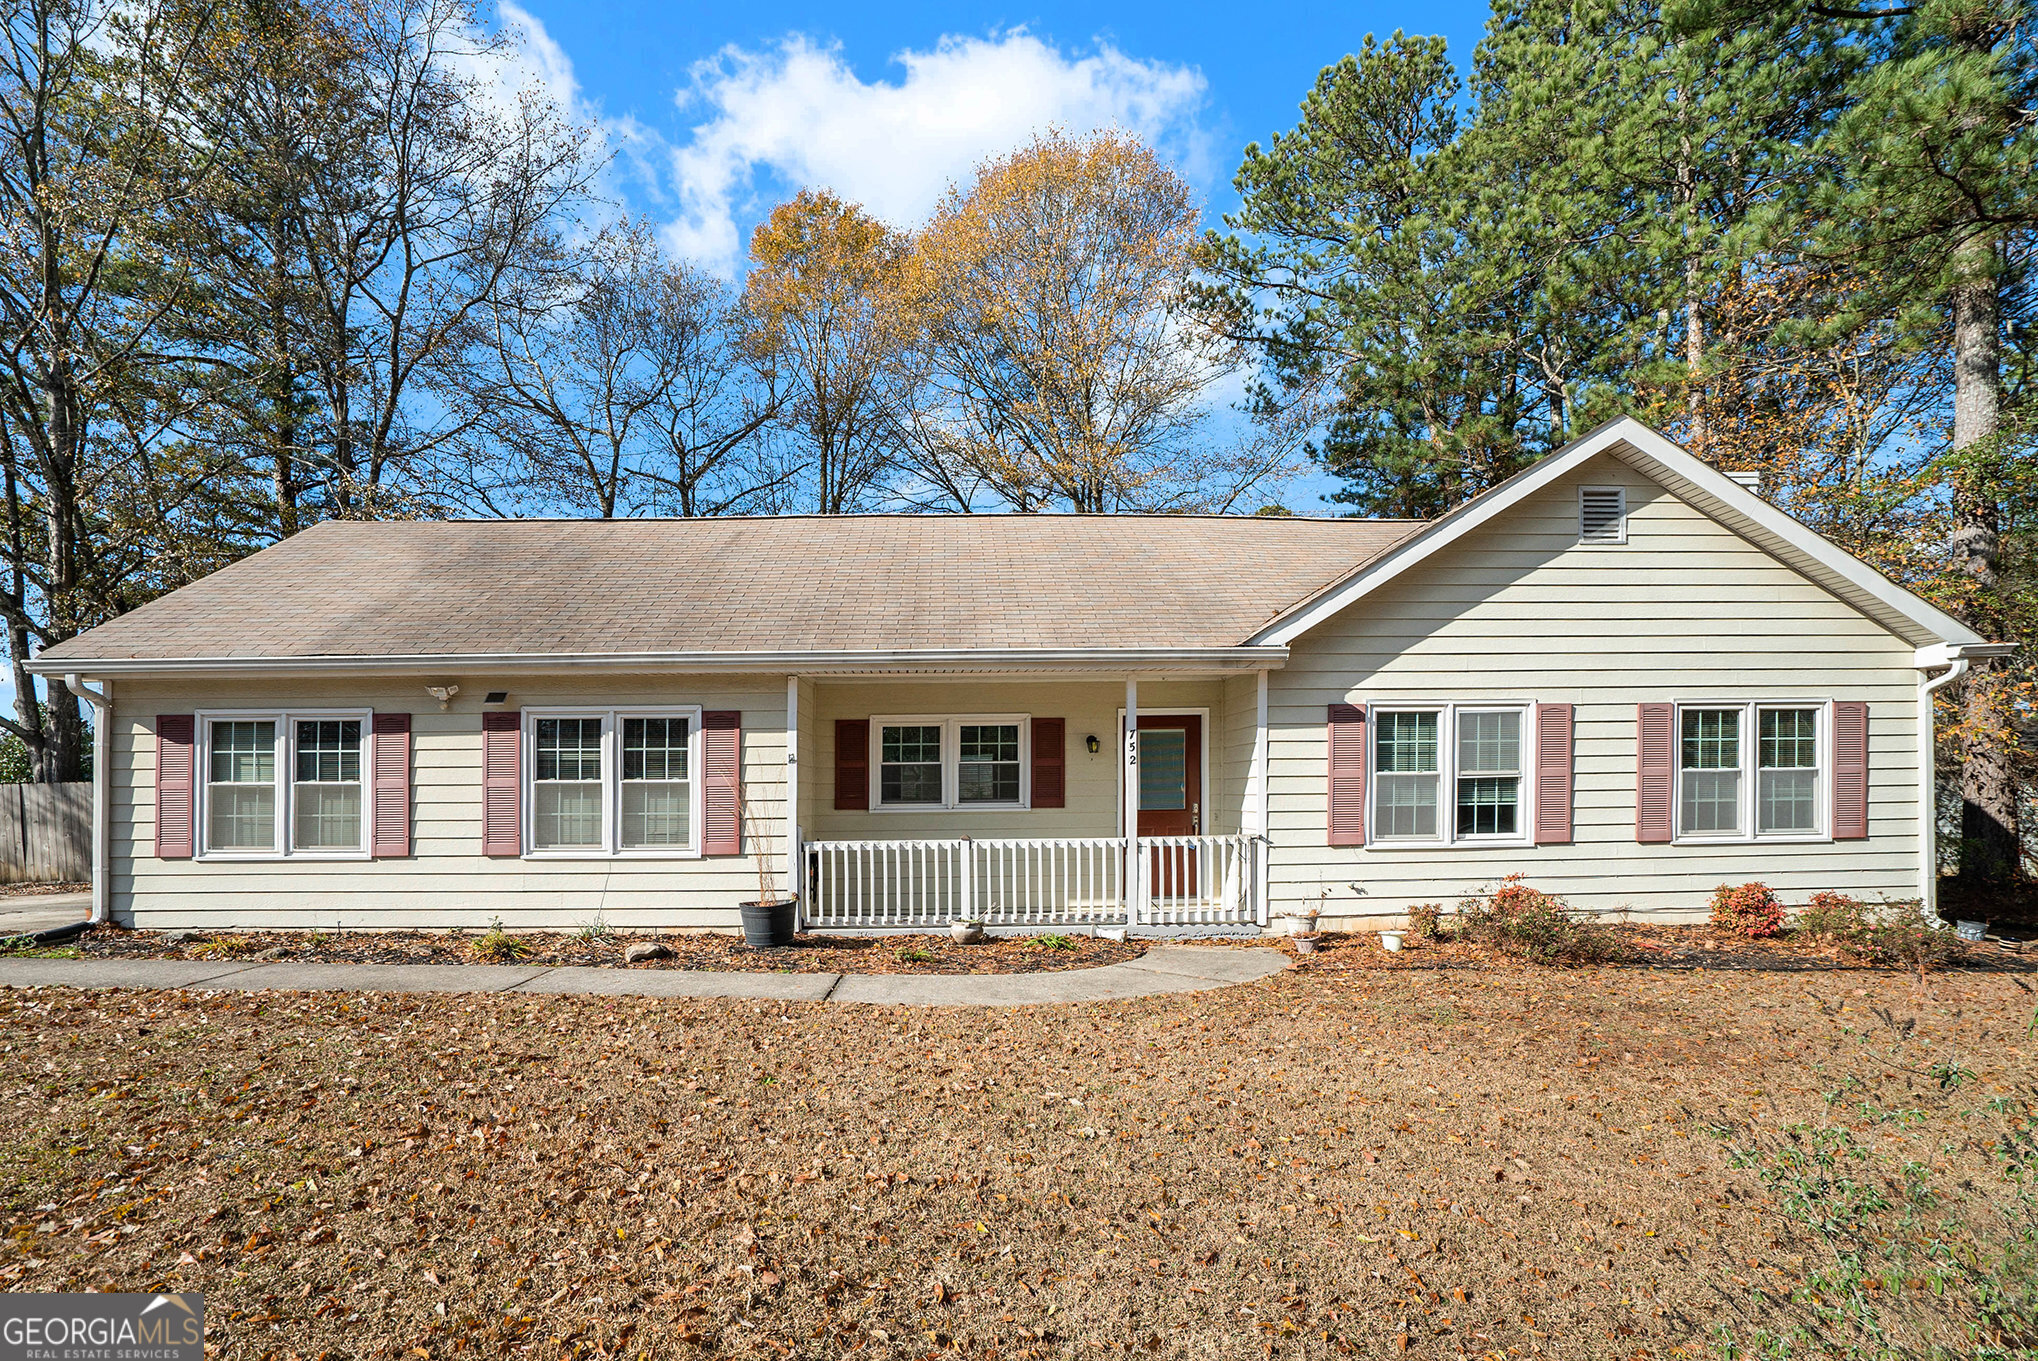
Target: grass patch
point(497, 946)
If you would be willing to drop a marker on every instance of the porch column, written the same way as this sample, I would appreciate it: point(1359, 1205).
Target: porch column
point(793, 854)
point(1260, 821)
point(1135, 878)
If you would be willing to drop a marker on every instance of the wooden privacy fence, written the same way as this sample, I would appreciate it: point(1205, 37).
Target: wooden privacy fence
point(45, 833)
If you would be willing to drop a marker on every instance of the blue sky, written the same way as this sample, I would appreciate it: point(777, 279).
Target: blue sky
point(720, 110)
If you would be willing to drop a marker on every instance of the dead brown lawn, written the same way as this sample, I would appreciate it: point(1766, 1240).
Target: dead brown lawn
point(1482, 1161)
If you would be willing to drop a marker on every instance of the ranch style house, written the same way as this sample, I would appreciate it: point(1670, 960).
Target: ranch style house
point(1622, 674)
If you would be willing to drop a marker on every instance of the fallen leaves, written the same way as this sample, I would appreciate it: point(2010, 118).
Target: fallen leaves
point(1308, 1163)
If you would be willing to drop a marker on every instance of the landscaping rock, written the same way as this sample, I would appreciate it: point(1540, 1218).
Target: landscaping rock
point(274, 952)
point(179, 937)
point(645, 950)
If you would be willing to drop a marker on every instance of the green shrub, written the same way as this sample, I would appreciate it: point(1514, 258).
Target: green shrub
point(1750, 911)
point(1054, 942)
point(499, 946)
point(1534, 926)
point(1426, 921)
point(915, 954)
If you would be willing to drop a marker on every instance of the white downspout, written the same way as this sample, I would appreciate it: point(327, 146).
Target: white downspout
point(1928, 788)
point(101, 701)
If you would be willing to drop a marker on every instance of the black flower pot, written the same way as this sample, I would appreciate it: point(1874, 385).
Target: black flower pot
point(768, 926)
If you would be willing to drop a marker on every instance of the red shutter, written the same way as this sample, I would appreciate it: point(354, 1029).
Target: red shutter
point(1347, 775)
point(392, 786)
point(1655, 770)
point(174, 776)
point(721, 735)
point(1050, 762)
point(1553, 774)
point(852, 765)
point(1850, 770)
point(502, 782)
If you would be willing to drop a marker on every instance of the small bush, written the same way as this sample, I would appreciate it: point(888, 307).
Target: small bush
point(917, 954)
point(1426, 921)
point(1750, 911)
point(1833, 917)
point(1901, 939)
point(499, 946)
point(1535, 926)
point(1054, 942)
point(1888, 936)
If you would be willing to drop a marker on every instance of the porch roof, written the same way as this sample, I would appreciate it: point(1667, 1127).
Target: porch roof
point(858, 587)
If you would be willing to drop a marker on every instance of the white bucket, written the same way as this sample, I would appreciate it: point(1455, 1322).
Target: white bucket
point(1971, 930)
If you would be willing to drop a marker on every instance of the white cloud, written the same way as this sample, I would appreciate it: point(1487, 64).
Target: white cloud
point(798, 116)
point(539, 63)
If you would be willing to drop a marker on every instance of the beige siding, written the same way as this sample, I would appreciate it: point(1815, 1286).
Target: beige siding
point(1685, 610)
point(1090, 707)
point(447, 881)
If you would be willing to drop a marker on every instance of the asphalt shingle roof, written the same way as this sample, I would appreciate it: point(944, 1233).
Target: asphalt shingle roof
point(836, 583)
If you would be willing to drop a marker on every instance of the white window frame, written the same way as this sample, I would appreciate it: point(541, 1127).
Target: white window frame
point(951, 760)
point(612, 782)
point(286, 721)
point(1447, 712)
point(1751, 717)
point(1621, 536)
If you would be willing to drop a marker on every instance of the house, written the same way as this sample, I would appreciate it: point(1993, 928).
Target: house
point(1620, 673)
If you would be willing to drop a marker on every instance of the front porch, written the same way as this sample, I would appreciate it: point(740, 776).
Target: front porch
point(1025, 803)
point(1081, 882)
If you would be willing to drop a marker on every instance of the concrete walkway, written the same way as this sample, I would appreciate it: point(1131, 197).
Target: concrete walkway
point(26, 913)
point(1162, 969)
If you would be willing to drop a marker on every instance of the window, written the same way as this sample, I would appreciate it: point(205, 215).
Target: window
point(1717, 744)
point(1602, 515)
point(973, 761)
point(909, 765)
point(240, 800)
point(1710, 745)
point(279, 785)
point(1405, 790)
point(1475, 752)
point(566, 792)
point(1489, 773)
point(1787, 771)
point(987, 763)
point(327, 794)
point(657, 793)
point(612, 782)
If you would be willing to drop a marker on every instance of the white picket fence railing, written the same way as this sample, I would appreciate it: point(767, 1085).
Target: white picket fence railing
point(1032, 882)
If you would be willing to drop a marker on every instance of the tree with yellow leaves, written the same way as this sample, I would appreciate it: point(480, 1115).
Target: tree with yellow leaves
point(1049, 361)
point(820, 302)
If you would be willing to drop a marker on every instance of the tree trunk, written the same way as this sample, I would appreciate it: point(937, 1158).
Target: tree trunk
point(1989, 848)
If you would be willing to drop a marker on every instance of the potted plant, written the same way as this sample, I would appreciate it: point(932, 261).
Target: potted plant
point(1306, 944)
point(967, 931)
point(768, 920)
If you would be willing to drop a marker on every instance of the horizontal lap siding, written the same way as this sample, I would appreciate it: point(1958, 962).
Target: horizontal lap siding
point(446, 882)
point(1685, 610)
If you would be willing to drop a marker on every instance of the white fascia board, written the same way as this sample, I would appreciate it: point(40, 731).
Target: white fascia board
point(1639, 446)
point(1107, 661)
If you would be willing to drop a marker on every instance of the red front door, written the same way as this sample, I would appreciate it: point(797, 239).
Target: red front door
point(1171, 797)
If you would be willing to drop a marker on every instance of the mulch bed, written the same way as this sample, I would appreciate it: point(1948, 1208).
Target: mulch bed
point(811, 954)
point(1645, 947)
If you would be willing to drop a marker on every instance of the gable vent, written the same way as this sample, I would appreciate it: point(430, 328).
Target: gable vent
point(1602, 515)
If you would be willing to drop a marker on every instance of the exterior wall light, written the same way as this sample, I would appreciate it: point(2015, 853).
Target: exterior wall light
point(1092, 745)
